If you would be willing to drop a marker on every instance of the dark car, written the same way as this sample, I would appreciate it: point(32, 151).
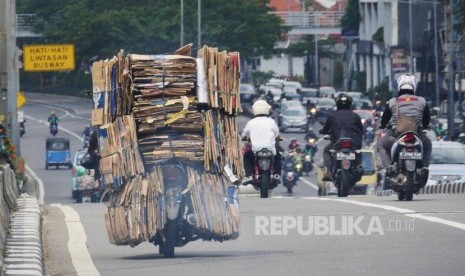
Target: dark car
point(247, 94)
point(325, 106)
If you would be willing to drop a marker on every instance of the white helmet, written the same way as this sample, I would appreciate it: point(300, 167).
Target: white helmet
point(261, 107)
point(407, 82)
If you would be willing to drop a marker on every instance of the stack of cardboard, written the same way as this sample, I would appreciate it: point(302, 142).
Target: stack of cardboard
point(120, 158)
point(165, 107)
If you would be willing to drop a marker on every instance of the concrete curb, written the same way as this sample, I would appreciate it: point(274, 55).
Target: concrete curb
point(24, 253)
point(448, 188)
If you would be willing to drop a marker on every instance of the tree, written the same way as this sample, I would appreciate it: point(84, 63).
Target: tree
point(100, 28)
point(351, 20)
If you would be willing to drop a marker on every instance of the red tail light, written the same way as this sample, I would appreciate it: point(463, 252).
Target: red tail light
point(409, 138)
point(346, 144)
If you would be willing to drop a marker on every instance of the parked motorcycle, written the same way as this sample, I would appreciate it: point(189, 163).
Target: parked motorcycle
point(22, 129)
point(405, 174)
point(345, 171)
point(369, 135)
point(53, 129)
point(264, 178)
point(289, 175)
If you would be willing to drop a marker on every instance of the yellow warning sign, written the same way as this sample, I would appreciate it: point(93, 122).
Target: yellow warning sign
point(20, 99)
point(53, 57)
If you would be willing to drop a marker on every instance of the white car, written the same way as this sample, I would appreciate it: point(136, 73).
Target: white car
point(447, 163)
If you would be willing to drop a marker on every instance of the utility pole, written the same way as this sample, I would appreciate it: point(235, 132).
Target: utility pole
point(182, 23)
point(317, 69)
point(9, 69)
point(436, 55)
point(451, 103)
point(199, 21)
point(410, 63)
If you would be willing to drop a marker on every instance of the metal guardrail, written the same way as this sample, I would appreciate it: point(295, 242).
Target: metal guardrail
point(25, 24)
point(311, 19)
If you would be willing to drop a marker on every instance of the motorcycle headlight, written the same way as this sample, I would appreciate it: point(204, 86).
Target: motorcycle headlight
point(311, 140)
point(298, 166)
point(290, 174)
point(308, 158)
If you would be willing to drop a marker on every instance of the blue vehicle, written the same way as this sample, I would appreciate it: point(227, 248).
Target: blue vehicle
point(57, 153)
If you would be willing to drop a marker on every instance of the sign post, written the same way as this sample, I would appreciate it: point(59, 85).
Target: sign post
point(53, 57)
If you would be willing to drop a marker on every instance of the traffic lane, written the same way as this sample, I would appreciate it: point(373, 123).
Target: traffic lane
point(57, 183)
point(76, 106)
point(446, 206)
point(430, 249)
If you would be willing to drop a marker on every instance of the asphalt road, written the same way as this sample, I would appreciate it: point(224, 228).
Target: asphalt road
point(300, 234)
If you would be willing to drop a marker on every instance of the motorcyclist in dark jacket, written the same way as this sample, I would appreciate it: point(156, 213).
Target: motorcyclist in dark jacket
point(341, 123)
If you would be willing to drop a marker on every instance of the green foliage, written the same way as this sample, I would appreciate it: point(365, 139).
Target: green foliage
point(100, 28)
point(260, 77)
point(338, 75)
point(351, 19)
point(382, 90)
point(360, 79)
point(379, 35)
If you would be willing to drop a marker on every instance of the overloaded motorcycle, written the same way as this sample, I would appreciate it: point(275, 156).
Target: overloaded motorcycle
point(179, 226)
point(264, 177)
point(405, 174)
point(346, 171)
point(289, 175)
point(53, 129)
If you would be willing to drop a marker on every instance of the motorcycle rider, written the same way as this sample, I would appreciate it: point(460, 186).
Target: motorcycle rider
point(311, 147)
point(263, 132)
point(269, 97)
point(53, 119)
point(346, 123)
point(409, 105)
point(294, 144)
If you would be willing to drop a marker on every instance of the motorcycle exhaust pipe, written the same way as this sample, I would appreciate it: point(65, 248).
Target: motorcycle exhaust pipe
point(277, 176)
point(192, 220)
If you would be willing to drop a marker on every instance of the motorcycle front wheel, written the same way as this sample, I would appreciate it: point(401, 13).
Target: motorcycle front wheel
point(265, 184)
point(170, 239)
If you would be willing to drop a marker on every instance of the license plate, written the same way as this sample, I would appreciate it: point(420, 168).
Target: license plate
point(344, 156)
point(410, 155)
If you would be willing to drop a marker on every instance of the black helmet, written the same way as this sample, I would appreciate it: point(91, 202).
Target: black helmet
point(344, 101)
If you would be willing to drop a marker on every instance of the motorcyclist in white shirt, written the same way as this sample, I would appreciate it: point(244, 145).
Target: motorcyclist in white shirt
point(263, 132)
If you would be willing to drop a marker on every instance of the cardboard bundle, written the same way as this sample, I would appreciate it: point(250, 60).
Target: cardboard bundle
point(222, 142)
point(165, 107)
point(215, 214)
point(133, 214)
point(119, 151)
point(222, 72)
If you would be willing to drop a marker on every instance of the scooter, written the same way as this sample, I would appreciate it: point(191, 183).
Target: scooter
point(289, 175)
point(406, 174)
point(345, 171)
point(53, 129)
point(369, 135)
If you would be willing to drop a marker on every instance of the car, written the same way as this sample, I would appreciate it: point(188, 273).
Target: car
point(365, 115)
point(294, 118)
point(285, 105)
point(327, 91)
point(308, 93)
point(293, 97)
point(362, 104)
point(247, 94)
point(447, 163)
point(325, 106)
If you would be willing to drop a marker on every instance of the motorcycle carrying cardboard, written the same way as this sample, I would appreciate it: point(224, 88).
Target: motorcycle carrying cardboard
point(159, 92)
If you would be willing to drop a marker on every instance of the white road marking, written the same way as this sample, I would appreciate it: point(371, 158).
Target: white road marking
point(39, 182)
point(59, 127)
point(309, 183)
point(77, 243)
point(406, 212)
